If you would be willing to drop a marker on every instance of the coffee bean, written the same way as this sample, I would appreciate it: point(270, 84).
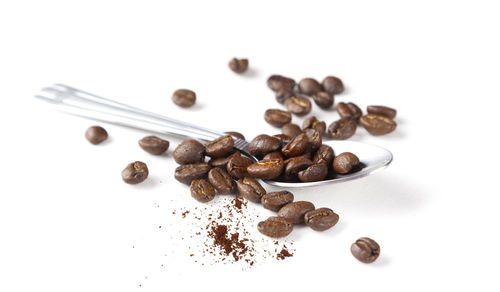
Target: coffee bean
point(324, 154)
point(294, 212)
point(294, 165)
point(283, 94)
point(315, 139)
point(266, 169)
point(349, 110)
point(275, 227)
point(306, 155)
point(345, 163)
point(299, 105)
point(275, 200)
point(263, 144)
point(189, 151)
point(309, 86)
point(250, 189)
point(202, 190)
point(321, 219)
point(135, 172)
point(219, 147)
point(342, 129)
point(237, 166)
point(313, 123)
point(323, 99)
point(377, 125)
point(238, 65)
point(296, 146)
point(366, 250)
point(277, 118)
point(284, 139)
point(221, 181)
point(222, 161)
point(236, 135)
point(273, 155)
point(278, 82)
point(382, 111)
point(315, 172)
point(154, 145)
point(333, 85)
point(189, 172)
point(291, 130)
point(96, 134)
point(184, 97)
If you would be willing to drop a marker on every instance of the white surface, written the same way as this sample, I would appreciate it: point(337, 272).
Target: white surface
point(68, 222)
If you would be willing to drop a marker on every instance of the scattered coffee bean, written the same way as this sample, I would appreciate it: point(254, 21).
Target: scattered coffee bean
point(189, 172)
point(382, 111)
point(222, 161)
point(275, 227)
point(294, 165)
point(366, 250)
point(275, 200)
point(236, 135)
point(250, 189)
point(296, 146)
point(263, 144)
point(238, 65)
point(291, 130)
point(96, 134)
point(349, 110)
point(313, 123)
point(377, 125)
point(221, 181)
point(184, 97)
point(278, 82)
point(135, 172)
point(333, 85)
point(299, 105)
point(277, 118)
point(266, 169)
point(321, 219)
point(315, 172)
point(237, 166)
point(283, 94)
point(324, 154)
point(315, 139)
point(284, 139)
point(273, 155)
point(294, 212)
point(345, 163)
point(323, 99)
point(342, 129)
point(154, 145)
point(189, 151)
point(219, 147)
point(309, 86)
point(202, 190)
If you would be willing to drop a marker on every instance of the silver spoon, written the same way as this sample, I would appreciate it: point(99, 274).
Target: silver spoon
point(84, 104)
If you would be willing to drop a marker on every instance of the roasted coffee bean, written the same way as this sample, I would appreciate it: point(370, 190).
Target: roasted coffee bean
point(275, 200)
point(345, 163)
point(309, 86)
point(283, 94)
point(202, 190)
point(96, 134)
point(250, 189)
point(377, 125)
point(219, 147)
point(333, 85)
point(349, 110)
point(284, 139)
point(274, 155)
point(237, 166)
point(291, 130)
point(315, 139)
point(135, 172)
point(184, 97)
point(266, 169)
point(238, 65)
point(324, 154)
point(236, 134)
point(154, 145)
point(299, 105)
point(296, 147)
point(315, 172)
point(366, 250)
point(263, 144)
point(306, 155)
point(189, 151)
point(188, 172)
point(294, 165)
point(221, 181)
point(382, 111)
point(342, 129)
point(275, 227)
point(294, 212)
point(222, 161)
point(323, 99)
point(277, 118)
point(278, 82)
point(313, 123)
point(321, 219)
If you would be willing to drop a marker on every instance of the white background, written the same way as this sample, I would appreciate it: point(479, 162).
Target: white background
point(68, 222)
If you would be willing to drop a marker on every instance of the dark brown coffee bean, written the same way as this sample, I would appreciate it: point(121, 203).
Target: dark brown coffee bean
point(222, 161)
point(313, 123)
point(366, 250)
point(184, 97)
point(309, 86)
point(315, 139)
point(306, 155)
point(324, 154)
point(221, 181)
point(238, 65)
point(277, 118)
point(323, 99)
point(275, 227)
point(96, 134)
point(237, 166)
point(250, 189)
point(263, 144)
point(283, 94)
point(299, 105)
point(202, 190)
point(315, 172)
point(278, 82)
point(188, 172)
point(294, 212)
point(189, 151)
point(382, 111)
point(273, 155)
point(349, 110)
point(377, 125)
point(236, 135)
point(345, 163)
point(275, 200)
point(135, 172)
point(321, 219)
point(219, 147)
point(294, 165)
point(342, 129)
point(266, 169)
point(333, 85)
point(291, 130)
point(296, 147)
point(154, 145)
point(284, 139)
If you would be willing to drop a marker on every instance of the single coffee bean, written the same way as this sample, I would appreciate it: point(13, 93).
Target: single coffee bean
point(313, 123)
point(154, 145)
point(273, 155)
point(309, 86)
point(377, 125)
point(275, 200)
point(238, 65)
point(333, 85)
point(184, 97)
point(189, 151)
point(342, 129)
point(219, 147)
point(284, 139)
point(202, 190)
point(277, 118)
point(315, 172)
point(294, 212)
point(299, 105)
point(278, 82)
point(296, 147)
point(321, 219)
point(250, 189)
point(283, 94)
point(221, 181)
point(382, 111)
point(275, 227)
point(349, 110)
point(188, 172)
point(366, 250)
point(345, 163)
point(315, 139)
point(323, 99)
point(237, 166)
point(96, 134)
point(294, 165)
point(135, 172)
point(291, 130)
point(263, 144)
point(222, 161)
point(236, 135)
point(266, 169)
point(324, 154)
